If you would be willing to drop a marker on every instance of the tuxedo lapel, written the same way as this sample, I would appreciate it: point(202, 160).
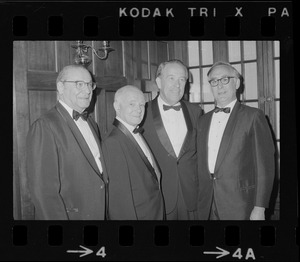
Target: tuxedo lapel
point(126, 132)
point(204, 136)
point(78, 137)
point(96, 133)
point(155, 163)
point(227, 136)
point(160, 129)
point(189, 132)
point(94, 129)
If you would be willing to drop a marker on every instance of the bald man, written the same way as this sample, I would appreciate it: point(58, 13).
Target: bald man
point(134, 176)
point(64, 160)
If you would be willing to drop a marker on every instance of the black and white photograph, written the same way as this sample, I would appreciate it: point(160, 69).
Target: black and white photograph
point(146, 130)
point(149, 131)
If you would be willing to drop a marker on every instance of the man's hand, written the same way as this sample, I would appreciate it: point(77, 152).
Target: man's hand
point(258, 213)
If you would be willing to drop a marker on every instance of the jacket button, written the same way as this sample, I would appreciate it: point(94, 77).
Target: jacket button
point(102, 187)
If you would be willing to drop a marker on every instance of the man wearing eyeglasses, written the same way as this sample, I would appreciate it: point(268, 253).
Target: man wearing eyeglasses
point(67, 177)
point(235, 154)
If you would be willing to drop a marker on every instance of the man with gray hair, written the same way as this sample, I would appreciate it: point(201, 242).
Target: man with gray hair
point(66, 174)
point(170, 129)
point(235, 154)
point(134, 175)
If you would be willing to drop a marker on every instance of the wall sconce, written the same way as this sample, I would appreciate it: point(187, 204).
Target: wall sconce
point(81, 57)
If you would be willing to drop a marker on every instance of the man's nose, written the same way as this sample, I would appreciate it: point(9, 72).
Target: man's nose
point(138, 109)
point(87, 89)
point(220, 85)
point(177, 83)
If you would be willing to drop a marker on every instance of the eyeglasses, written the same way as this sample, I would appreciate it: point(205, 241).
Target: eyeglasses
point(80, 85)
point(224, 80)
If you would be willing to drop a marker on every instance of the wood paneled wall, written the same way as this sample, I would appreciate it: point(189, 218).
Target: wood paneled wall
point(35, 67)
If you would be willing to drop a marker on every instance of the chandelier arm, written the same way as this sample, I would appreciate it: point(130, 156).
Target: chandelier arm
point(99, 56)
point(82, 48)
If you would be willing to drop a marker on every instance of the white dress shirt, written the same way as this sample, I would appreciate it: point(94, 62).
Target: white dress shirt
point(218, 123)
point(174, 124)
point(139, 139)
point(87, 134)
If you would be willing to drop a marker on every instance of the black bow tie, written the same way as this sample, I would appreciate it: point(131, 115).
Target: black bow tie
point(83, 115)
point(176, 108)
point(224, 109)
point(138, 130)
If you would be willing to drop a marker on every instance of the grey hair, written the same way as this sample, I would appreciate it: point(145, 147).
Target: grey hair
point(172, 61)
point(63, 73)
point(222, 63)
point(120, 92)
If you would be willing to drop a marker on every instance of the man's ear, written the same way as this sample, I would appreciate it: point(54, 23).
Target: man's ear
point(158, 82)
point(60, 87)
point(237, 84)
point(116, 106)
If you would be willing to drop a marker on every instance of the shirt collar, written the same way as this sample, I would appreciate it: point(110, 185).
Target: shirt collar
point(129, 127)
point(162, 102)
point(69, 109)
point(231, 105)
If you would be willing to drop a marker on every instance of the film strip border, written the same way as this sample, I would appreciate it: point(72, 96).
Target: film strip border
point(35, 240)
point(127, 24)
point(156, 241)
point(145, 20)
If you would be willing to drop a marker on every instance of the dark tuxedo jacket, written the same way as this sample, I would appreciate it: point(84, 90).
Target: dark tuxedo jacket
point(244, 170)
point(134, 189)
point(175, 170)
point(64, 180)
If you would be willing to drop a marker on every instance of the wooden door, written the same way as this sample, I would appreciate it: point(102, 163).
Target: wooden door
point(36, 67)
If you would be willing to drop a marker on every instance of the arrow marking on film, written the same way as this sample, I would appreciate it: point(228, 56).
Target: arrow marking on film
point(85, 252)
point(221, 254)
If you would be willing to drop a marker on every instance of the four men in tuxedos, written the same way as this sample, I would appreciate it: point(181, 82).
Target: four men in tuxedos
point(219, 166)
point(67, 177)
point(235, 154)
point(134, 176)
point(170, 129)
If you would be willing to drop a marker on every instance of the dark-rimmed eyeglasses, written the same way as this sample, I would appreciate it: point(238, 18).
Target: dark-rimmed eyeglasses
point(224, 80)
point(80, 85)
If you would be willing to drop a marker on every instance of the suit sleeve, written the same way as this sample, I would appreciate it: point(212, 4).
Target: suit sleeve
point(196, 112)
point(43, 173)
point(264, 158)
point(121, 203)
